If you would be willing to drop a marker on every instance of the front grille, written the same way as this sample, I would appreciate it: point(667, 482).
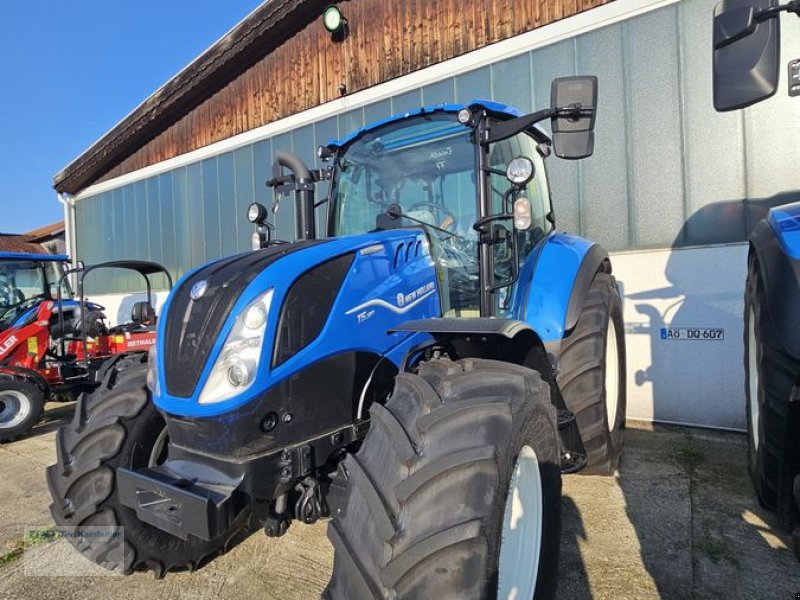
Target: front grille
point(193, 326)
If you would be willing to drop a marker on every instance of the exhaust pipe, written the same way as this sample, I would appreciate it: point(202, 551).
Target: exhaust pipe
point(305, 223)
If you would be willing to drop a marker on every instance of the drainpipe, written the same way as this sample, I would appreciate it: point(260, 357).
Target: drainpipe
point(69, 224)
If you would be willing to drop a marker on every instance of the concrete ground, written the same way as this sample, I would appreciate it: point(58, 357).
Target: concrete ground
point(680, 521)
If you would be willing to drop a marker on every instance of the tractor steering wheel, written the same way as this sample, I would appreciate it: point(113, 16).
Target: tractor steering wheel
point(17, 297)
point(445, 223)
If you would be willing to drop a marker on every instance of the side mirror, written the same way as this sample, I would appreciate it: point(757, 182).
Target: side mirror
point(746, 54)
point(573, 101)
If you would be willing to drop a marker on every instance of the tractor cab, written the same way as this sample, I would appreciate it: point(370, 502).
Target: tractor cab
point(26, 280)
point(472, 176)
point(420, 172)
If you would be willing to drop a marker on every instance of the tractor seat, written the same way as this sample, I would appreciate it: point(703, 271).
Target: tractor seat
point(143, 318)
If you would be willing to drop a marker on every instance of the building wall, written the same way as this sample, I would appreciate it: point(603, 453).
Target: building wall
point(668, 173)
point(387, 40)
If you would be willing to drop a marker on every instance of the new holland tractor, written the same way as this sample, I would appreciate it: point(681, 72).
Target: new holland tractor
point(423, 374)
point(51, 344)
point(747, 65)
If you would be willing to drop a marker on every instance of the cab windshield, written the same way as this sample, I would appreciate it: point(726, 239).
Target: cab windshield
point(23, 284)
point(426, 166)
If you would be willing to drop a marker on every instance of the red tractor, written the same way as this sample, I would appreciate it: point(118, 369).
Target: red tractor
point(53, 346)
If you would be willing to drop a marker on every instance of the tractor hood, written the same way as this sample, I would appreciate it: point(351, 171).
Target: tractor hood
point(325, 297)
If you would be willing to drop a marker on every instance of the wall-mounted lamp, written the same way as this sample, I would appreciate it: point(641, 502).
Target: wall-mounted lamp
point(335, 23)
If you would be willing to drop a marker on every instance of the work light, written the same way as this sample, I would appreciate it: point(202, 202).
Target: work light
point(256, 213)
point(520, 170)
point(332, 18)
point(335, 23)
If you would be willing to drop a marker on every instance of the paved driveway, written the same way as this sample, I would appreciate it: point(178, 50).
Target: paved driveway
point(680, 521)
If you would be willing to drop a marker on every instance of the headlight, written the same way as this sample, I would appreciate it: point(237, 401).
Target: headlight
point(236, 366)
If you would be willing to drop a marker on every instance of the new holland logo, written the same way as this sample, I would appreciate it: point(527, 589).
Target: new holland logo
point(404, 302)
point(8, 344)
point(198, 289)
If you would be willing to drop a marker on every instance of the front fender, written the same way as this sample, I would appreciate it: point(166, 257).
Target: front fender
point(554, 282)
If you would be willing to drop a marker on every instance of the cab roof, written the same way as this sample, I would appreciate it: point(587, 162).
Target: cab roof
point(495, 109)
point(37, 257)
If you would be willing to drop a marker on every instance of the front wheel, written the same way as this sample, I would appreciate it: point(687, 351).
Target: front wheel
point(455, 492)
point(118, 426)
point(21, 405)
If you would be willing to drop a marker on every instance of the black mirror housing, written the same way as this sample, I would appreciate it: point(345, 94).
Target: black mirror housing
point(746, 54)
point(733, 25)
point(573, 101)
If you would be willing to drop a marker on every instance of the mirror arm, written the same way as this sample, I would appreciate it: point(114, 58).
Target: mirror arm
point(506, 129)
point(773, 11)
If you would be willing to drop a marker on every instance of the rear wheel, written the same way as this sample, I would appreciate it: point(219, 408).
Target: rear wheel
point(455, 492)
point(21, 405)
point(592, 375)
point(118, 426)
point(771, 417)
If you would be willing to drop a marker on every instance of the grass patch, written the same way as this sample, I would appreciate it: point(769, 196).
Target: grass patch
point(33, 537)
point(15, 551)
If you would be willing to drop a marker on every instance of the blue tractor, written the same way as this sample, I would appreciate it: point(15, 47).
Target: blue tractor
point(423, 374)
point(746, 46)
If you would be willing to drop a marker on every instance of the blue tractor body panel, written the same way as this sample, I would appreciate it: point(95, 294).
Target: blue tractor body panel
point(542, 295)
point(28, 314)
point(36, 257)
point(391, 279)
point(785, 222)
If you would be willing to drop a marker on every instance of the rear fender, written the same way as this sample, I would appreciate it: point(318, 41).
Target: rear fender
point(780, 282)
point(554, 282)
point(506, 340)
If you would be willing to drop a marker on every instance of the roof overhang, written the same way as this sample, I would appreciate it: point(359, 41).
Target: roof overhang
point(265, 29)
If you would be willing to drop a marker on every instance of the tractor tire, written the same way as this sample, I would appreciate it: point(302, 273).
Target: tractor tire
point(460, 452)
point(592, 377)
point(773, 422)
point(21, 405)
point(118, 426)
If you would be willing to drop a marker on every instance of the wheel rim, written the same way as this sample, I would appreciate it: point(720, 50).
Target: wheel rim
point(157, 453)
point(752, 376)
point(612, 375)
point(14, 408)
point(521, 544)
